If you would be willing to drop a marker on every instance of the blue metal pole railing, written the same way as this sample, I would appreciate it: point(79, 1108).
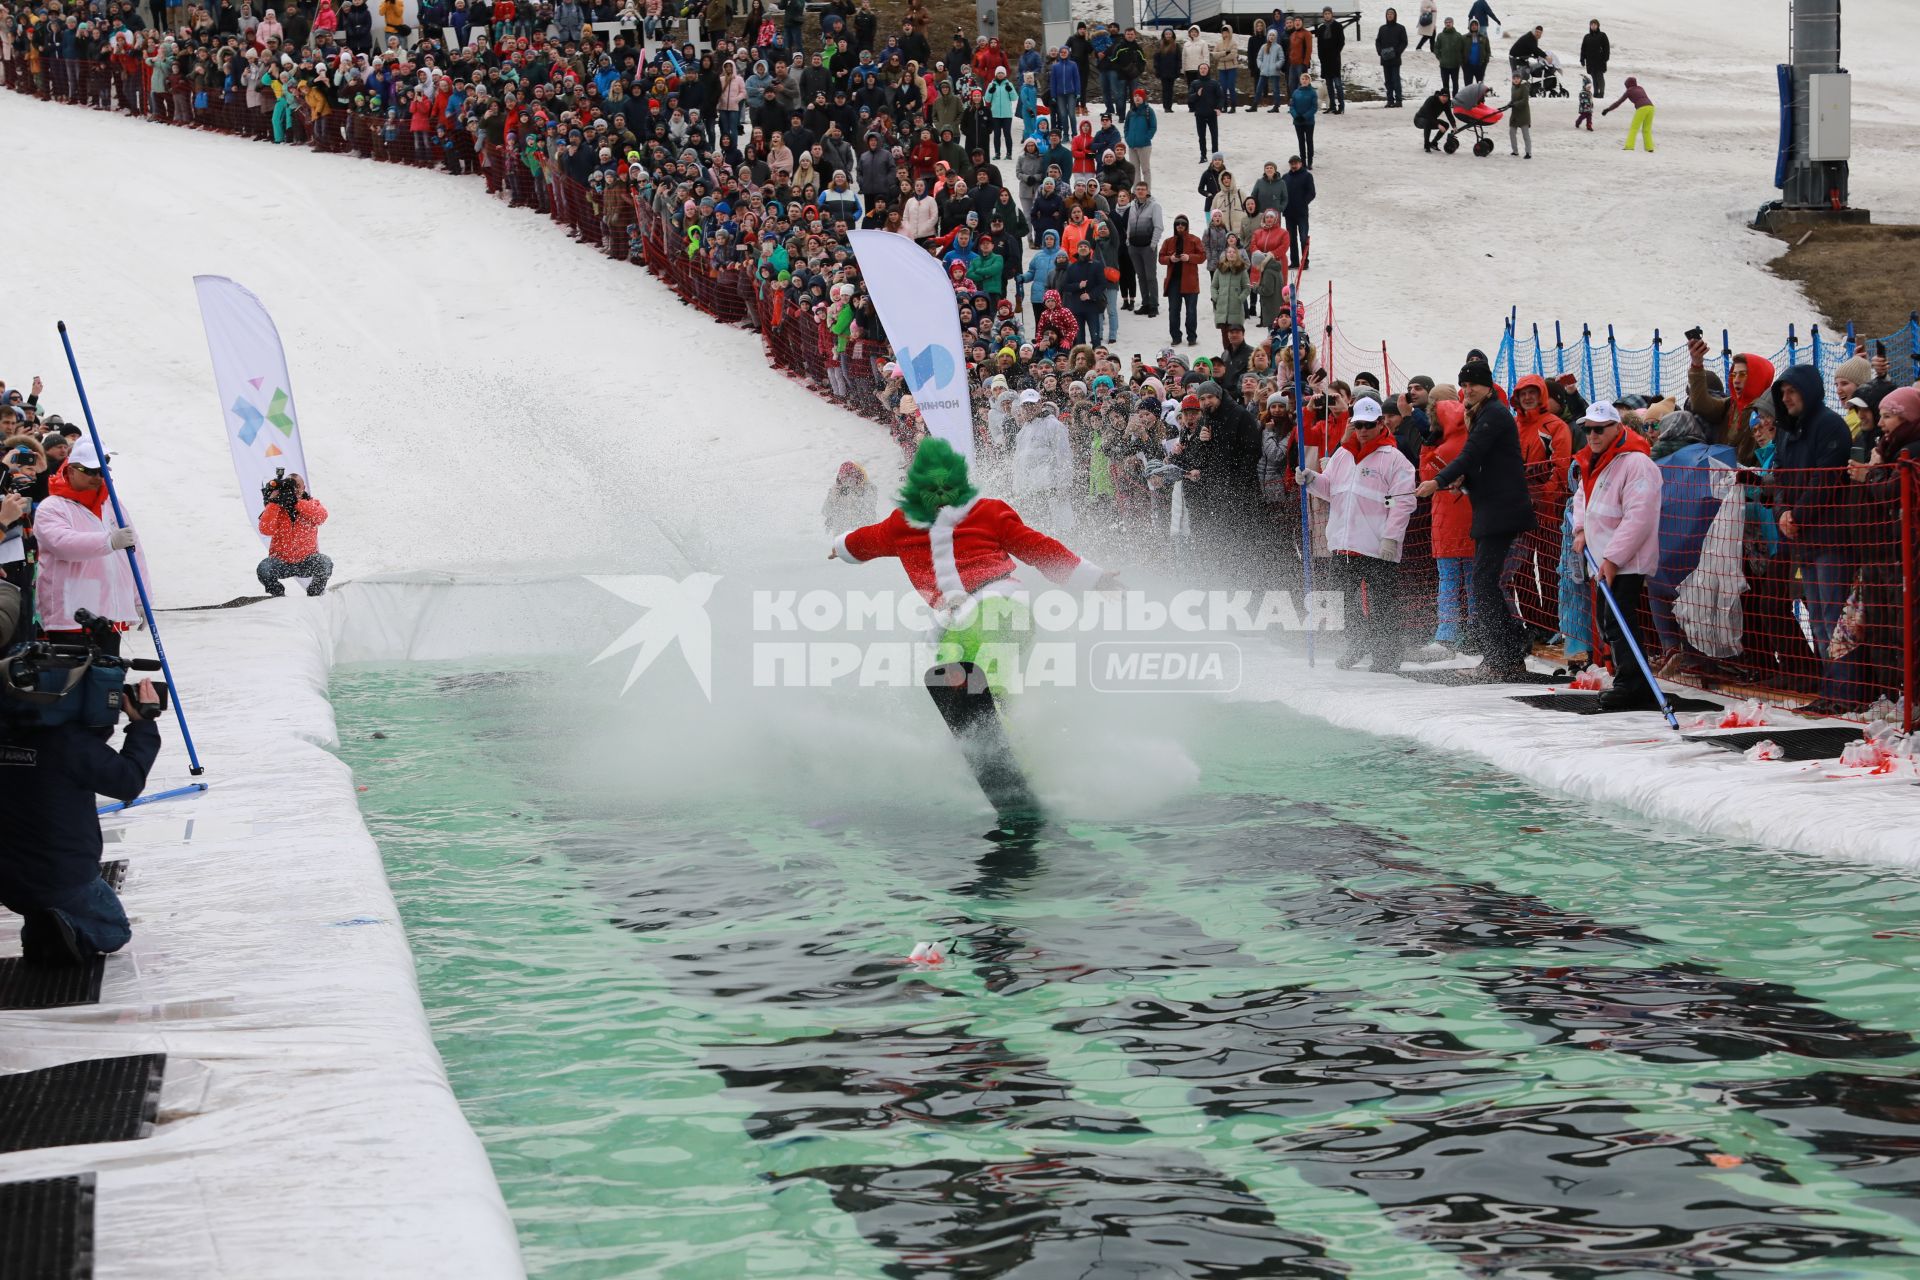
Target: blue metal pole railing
point(133, 558)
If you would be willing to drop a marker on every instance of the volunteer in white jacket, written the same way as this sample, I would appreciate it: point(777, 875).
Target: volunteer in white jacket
point(1368, 486)
point(1616, 516)
point(1043, 462)
point(82, 565)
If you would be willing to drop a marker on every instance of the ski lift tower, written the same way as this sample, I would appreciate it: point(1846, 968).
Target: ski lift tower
point(1816, 123)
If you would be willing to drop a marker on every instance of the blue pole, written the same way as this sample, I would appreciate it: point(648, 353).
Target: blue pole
point(1512, 338)
point(1849, 353)
point(1726, 359)
point(1559, 351)
point(1666, 708)
point(1793, 347)
point(1538, 366)
point(1913, 341)
point(1613, 354)
point(1814, 337)
point(1656, 364)
point(133, 560)
point(1586, 361)
point(191, 789)
point(1300, 449)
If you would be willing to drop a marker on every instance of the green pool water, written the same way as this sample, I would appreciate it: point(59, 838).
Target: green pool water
point(1337, 1007)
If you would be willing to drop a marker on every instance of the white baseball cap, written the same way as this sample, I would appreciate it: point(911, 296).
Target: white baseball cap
point(1600, 414)
point(1030, 396)
point(1367, 410)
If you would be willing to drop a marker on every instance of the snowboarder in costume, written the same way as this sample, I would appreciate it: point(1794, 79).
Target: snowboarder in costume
point(958, 549)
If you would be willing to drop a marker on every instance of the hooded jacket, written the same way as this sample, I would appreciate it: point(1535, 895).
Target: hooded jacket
point(1452, 512)
point(1726, 414)
point(1809, 458)
point(1543, 436)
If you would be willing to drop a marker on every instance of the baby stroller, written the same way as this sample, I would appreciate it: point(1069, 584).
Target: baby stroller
point(1543, 77)
point(1474, 120)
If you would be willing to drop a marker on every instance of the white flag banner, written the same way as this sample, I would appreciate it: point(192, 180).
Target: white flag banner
point(915, 301)
point(256, 394)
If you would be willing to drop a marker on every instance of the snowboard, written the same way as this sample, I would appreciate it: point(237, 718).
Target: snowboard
point(965, 702)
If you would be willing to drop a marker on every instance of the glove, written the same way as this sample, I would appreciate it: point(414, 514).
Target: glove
point(1390, 548)
point(121, 539)
point(1302, 476)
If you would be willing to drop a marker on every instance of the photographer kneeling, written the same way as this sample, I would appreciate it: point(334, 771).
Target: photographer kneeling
point(292, 520)
point(50, 842)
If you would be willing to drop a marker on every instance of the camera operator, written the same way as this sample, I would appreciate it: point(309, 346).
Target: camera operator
point(292, 520)
point(50, 843)
point(80, 562)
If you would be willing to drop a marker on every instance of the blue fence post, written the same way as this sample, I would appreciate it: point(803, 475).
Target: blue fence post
point(1656, 364)
point(1913, 341)
point(1726, 359)
point(1852, 349)
point(1613, 355)
point(1559, 351)
point(1586, 362)
point(1793, 347)
point(1539, 366)
point(1513, 339)
point(1813, 337)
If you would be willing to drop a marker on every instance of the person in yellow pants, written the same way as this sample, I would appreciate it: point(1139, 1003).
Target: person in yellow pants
point(1642, 125)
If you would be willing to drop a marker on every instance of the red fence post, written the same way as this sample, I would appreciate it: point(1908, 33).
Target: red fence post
point(1909, 592)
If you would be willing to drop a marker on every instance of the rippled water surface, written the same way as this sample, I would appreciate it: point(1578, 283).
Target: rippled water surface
point(1342, 1008)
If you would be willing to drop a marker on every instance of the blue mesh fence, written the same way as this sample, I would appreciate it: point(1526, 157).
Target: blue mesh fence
point(1608, 370)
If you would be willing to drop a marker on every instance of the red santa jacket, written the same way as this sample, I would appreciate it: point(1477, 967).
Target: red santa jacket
point(965, 549)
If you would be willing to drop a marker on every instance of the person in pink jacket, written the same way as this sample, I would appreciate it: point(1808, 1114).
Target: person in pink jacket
point(326, 19)
point(1368, 487)
point(1616, 516)
point(80, 562)
point(269, 30)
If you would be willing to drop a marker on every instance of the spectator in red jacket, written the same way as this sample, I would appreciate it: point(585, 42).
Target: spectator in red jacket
point(292, 523)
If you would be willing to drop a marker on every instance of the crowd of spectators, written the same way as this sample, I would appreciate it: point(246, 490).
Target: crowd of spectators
point(743, 160)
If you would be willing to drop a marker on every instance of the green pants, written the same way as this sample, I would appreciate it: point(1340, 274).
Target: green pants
point(1641, 127)
point(995, 639)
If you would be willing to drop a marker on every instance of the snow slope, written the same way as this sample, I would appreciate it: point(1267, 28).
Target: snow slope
point(1428, 252)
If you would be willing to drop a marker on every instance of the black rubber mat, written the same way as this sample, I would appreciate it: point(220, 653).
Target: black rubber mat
point(46, 1228)
point(1471, 675)
point(1824, 743)
point(1588, 704)
point(114, 873)
point(28, 986)
point(97, 1100)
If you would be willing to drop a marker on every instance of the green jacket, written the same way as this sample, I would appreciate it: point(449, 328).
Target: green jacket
point(842, 324)
point(1450, 46)
point(1230, 295)
point(989, 272)
point(1520, 110)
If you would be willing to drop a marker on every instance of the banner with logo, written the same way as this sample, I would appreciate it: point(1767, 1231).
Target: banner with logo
point(256, 395)
point(916, 305)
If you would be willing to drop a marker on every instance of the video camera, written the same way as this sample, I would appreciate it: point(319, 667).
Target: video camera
point(281, 491)
point(44, 685)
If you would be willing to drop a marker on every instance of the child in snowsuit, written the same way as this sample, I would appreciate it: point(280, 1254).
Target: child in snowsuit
point(1368, 487)
point(851, 501)
point(1586, 104)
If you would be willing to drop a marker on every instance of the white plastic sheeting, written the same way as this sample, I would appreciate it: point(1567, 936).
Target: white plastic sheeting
point(306, 1126)
point(1630, 763)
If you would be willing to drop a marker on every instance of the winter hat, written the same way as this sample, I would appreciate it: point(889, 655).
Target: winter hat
point(1857, 371)
point(851, 471)
point(1904, 401)
point(1475, 373)
point(1420, 380)
point(1190, 402)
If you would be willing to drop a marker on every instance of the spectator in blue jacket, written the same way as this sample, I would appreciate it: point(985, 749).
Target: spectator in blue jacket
point(1479, 54)
point(1142, 124)
point(1811, 448)
point(1063, 88)
point(1305, 105)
